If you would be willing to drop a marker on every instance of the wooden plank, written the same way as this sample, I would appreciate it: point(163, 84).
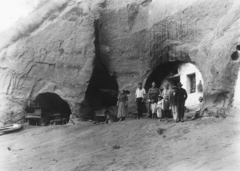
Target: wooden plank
point(3, 128)
point(32, 116)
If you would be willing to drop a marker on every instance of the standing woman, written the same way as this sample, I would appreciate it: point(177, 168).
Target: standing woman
point(166, 96)
point(122, 103)
point(173, 103)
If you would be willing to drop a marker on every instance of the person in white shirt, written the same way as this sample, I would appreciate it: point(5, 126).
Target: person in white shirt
point(140, 96)
point(200, 109)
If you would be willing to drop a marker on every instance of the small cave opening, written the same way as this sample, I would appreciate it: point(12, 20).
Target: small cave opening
point(235, 55)
point(52, 108)
point(102, 91)
point(238, 47)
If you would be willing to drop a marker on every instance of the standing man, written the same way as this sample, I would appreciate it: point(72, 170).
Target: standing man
point(140, 96)
point(181, 96)
point(152, 96)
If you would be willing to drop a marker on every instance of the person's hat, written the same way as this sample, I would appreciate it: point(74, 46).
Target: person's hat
point(140, 83)
point(179, 84)
point(200, 98)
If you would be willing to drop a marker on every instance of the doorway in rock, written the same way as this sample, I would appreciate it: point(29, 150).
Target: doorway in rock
point(102, 91)
point(54, 110)
point(174, 72)
point(174, 80)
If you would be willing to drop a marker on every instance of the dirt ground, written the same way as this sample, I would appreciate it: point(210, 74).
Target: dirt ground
point(203, 145)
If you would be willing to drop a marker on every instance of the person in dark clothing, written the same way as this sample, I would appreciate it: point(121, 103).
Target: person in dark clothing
point(140, 96)
point(181, 96)
point(153, 93)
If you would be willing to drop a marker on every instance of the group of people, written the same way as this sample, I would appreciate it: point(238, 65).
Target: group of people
point(162, 104)
point(166, 103)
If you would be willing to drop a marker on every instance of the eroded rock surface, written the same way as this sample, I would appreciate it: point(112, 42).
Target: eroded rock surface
point(57, 57)
point(141, 37)
point(135, 36)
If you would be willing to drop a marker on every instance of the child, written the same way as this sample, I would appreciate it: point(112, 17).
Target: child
point(154, 109)
point(159, 107)
point(200, 109)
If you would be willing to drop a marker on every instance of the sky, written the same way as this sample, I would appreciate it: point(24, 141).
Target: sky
point(13, 10)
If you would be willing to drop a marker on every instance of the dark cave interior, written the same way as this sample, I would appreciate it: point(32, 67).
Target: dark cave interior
point(161, 72)
point(102, 91)
point(53, 103)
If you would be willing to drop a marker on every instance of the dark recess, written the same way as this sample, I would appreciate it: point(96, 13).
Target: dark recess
point(238, 47)
point(52, 103)
point(102, 90)
point(235, 56)
point(161, 72)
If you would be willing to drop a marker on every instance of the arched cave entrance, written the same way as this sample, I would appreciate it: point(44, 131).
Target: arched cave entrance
point(178, 71)
point(52, 104)
point(102, 91)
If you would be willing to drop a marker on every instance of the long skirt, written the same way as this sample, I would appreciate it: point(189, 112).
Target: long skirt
point(159, 113)
point(174, 112)
point(121, 110)
point(154, 108)
point(165, 104)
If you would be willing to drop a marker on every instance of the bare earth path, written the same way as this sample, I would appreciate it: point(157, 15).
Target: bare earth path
point(202, 145)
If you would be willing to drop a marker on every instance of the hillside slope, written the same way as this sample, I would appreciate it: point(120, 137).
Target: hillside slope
point(203, 145)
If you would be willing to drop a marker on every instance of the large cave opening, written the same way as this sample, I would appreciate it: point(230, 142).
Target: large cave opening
point(102, 90)
point(51, 107)
point(178, 71)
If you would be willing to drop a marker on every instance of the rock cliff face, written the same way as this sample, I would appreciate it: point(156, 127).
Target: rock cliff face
point(128, 41)
point(56, 57)
point(142, 35)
